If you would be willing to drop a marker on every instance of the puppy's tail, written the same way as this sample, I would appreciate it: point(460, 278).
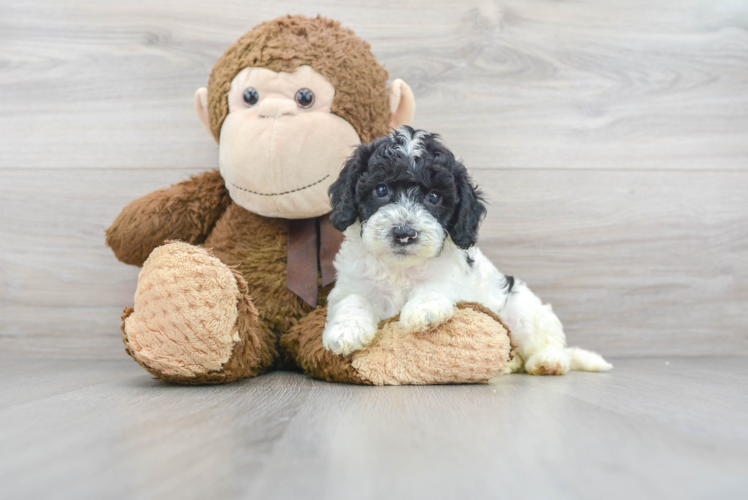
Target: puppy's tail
point(586, 361)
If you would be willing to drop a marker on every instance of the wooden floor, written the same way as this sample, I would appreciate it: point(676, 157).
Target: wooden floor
point(611, 138)
point(654, 428)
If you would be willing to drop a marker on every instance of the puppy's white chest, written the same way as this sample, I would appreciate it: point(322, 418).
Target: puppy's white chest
point(390, 293)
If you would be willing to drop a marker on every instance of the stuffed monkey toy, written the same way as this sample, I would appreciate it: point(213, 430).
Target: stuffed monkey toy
point(236, 263)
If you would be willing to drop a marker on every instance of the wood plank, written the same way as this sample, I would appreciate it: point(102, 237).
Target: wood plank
point(138, 434)
point(635, 263)
point(63, 290)
point(651, 428)
point(631, 261)
point(621, 84)
point(26, 380)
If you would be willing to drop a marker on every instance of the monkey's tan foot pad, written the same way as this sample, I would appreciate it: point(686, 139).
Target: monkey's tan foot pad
point(193, 321)
point(473, 346)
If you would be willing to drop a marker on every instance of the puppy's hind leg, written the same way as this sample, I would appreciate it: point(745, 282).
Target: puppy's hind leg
point(559, 361)
point(546, 352)
point(540, 337)
point(515, 365)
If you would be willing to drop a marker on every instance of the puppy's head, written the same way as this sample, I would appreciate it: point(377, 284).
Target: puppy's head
point(409, 193)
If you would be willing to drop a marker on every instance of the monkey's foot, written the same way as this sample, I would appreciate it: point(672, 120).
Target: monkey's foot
point(472, 346)
point(193, 320)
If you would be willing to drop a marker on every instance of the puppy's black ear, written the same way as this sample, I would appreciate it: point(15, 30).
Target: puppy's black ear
point(343, 191)
point(470, 210)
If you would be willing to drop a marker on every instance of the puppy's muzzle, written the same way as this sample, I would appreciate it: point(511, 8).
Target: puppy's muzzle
point(404, 235)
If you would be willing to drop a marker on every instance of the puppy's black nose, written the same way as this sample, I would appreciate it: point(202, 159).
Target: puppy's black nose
point(404, 235)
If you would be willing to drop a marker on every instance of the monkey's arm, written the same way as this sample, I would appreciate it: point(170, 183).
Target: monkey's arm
point(186, 211)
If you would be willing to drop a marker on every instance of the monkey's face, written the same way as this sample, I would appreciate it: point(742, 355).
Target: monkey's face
point(281, 147)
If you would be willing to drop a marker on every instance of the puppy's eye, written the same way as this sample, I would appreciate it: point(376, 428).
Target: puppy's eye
point(304, 98)
point(381, 190)
point(434, 198)
point(251, 96)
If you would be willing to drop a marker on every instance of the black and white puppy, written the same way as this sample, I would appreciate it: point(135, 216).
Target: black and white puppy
point(410, 215)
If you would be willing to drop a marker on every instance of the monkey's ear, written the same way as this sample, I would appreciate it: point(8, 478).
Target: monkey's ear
point(201, 106)
point(402, 103)
point(343, 191)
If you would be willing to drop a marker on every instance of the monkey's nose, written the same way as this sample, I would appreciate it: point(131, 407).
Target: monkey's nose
point(273, 108)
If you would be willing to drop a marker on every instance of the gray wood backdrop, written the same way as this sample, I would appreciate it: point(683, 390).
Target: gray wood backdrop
point(611, 138)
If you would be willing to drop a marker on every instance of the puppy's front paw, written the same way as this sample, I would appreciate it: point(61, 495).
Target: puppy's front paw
point(426, 312)
point(345, 335)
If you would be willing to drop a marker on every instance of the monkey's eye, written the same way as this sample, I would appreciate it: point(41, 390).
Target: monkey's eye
point(434, 197)
point(381, 190)
point(304, 98)
point(251, 96)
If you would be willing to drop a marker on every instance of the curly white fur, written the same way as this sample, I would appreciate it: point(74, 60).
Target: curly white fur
point(424, 287)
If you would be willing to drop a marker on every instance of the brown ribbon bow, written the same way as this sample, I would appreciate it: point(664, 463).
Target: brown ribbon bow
point(312, 246)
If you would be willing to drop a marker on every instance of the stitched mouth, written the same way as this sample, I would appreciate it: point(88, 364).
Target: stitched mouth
point(283, 192)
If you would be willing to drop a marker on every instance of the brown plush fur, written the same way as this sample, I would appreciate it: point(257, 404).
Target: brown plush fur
point(186, 211)
point(471, 347)
point(200, 211)
point(303, 347)
point(335, 52)
point(477, 307)
point(256, 350)
point(256, 247)
point(253, 354)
